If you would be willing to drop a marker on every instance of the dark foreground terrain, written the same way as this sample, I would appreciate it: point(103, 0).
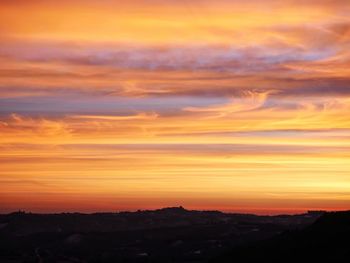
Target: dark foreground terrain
point(172, 235)
point(326, 240)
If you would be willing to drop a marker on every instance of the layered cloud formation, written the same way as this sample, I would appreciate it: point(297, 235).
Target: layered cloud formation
point(109, 105)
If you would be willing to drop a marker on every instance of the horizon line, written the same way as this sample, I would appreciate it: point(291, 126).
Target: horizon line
point(174, 207)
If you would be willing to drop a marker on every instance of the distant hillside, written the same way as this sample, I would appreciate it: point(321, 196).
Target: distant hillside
point(326, 240)
point(165, 235)
point(22, 224)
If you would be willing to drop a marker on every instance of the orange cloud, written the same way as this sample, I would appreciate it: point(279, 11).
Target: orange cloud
point(108, 105)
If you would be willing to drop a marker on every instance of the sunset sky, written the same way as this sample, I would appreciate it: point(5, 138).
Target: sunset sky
point(109, 105)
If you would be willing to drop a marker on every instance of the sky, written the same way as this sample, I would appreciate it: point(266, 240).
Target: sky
point(240, 106)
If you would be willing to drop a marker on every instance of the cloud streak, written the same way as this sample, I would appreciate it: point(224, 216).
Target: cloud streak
point(138, 104)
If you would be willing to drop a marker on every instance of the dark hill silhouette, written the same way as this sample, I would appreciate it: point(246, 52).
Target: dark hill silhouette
point(172, 234)
point(326, 240)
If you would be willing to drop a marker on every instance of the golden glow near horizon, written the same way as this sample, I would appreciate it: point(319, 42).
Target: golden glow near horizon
point(122, 105)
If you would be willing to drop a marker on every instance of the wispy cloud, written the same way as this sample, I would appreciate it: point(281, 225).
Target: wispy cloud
point(134, 104)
